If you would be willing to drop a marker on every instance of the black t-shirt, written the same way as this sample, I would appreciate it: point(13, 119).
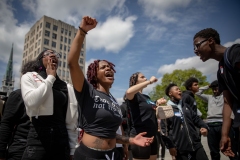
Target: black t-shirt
point(230, 79)
point(143, 115)
point(99, 113)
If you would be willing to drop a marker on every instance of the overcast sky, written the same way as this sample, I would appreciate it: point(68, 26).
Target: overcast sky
point(150, 36)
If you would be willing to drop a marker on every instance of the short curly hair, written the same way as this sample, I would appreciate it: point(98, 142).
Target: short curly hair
point(167, 90)
point(207, 33)
point(189, 82)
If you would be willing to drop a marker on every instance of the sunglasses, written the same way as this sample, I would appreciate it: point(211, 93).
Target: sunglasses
point(197, 45)
point(48, 53)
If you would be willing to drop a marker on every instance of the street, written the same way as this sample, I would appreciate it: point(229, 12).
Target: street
point(205, 145)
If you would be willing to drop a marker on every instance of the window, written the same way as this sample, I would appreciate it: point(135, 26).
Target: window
point(69, 33)
point(82, 53)
point(61, 38)
point(40, 25)
point(37, 28)
point(67, 74)
point(39, 41)
point(48, 25)
point(65, 40)
point(40, 33)
point(36, 45)
point(55, 27)
point(69, 41)
point(59, 63)
point(66, 31)
point(68, 48)
point(47, 33)
point(37, 36)
point(35, 53)
point(62, 30)
point(61, 46)
point(60, 54)
point(64, 56)
point(63, 73)
point(64, 64)
point(53, 44)
point(54, 36)
point(59, 72)
point(65, 48)
point(46, 41)
point(38, 50)
point(81, 60)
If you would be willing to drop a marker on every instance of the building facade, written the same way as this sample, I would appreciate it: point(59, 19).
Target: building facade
point(48, 33)
point(8, 79)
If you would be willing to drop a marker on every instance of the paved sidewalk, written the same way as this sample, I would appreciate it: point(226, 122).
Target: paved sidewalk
point(205, 145)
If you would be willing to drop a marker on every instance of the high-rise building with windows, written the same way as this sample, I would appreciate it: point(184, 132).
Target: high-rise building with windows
point(48, 33)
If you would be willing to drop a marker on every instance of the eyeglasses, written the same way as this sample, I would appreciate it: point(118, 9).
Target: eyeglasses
point(48, 53)
point(197, 45)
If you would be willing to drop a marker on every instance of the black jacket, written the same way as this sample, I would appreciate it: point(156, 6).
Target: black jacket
point(188, 98)
point(181, 131)
point(14, 125)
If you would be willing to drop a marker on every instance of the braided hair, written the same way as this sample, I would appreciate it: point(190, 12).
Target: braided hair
point(92, 71)
point(133, 79)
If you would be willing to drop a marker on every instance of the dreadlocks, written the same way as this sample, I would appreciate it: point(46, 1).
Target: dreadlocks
point(133, 79)
point(92, 71)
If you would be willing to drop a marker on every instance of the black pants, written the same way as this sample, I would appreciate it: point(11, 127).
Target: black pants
point(214, 138)
point(85, 153)
point(145, 152)
point(199, 154)
point(47, 143)
point(160, 142)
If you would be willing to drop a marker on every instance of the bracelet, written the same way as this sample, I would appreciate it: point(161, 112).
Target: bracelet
point(150, 82)
point(82, 30)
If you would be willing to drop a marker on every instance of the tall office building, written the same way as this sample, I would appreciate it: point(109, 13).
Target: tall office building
point(48, 33)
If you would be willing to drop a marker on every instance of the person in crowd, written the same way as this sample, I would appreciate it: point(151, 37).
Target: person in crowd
point(179, 132)
point(160, 141)
point(192, 87)
point(122, 148)
point(126, 122)
point(14, 127)
point(99, 113)
point(143, 112)
point(207, 45)
point(52, 108)
point(214, 119)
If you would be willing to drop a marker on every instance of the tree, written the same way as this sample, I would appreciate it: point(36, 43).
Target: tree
point(179, 77)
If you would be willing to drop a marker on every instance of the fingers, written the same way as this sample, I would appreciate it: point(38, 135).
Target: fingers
point(143, 133)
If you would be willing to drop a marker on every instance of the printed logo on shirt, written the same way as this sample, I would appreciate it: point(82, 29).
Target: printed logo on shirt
point(101, 103)
point(152, 103)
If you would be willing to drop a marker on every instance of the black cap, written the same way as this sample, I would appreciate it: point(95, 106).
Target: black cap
point(214, 84)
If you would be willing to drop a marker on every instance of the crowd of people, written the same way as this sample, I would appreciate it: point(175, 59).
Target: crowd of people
point(41, 120)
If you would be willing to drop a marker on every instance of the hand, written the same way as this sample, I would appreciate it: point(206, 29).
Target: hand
point(161, 101)
point(125, 151)
point(153, 79)
point(51, 67)
point(225, 146)
point(204, 132)
point(88, 23)
point(140, 140)
point(71, 157)
point(173, 151)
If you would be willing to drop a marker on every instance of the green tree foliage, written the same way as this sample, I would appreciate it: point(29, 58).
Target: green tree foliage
point(179, 77)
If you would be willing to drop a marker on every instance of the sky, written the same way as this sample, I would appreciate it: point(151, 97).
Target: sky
point(153, 37)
